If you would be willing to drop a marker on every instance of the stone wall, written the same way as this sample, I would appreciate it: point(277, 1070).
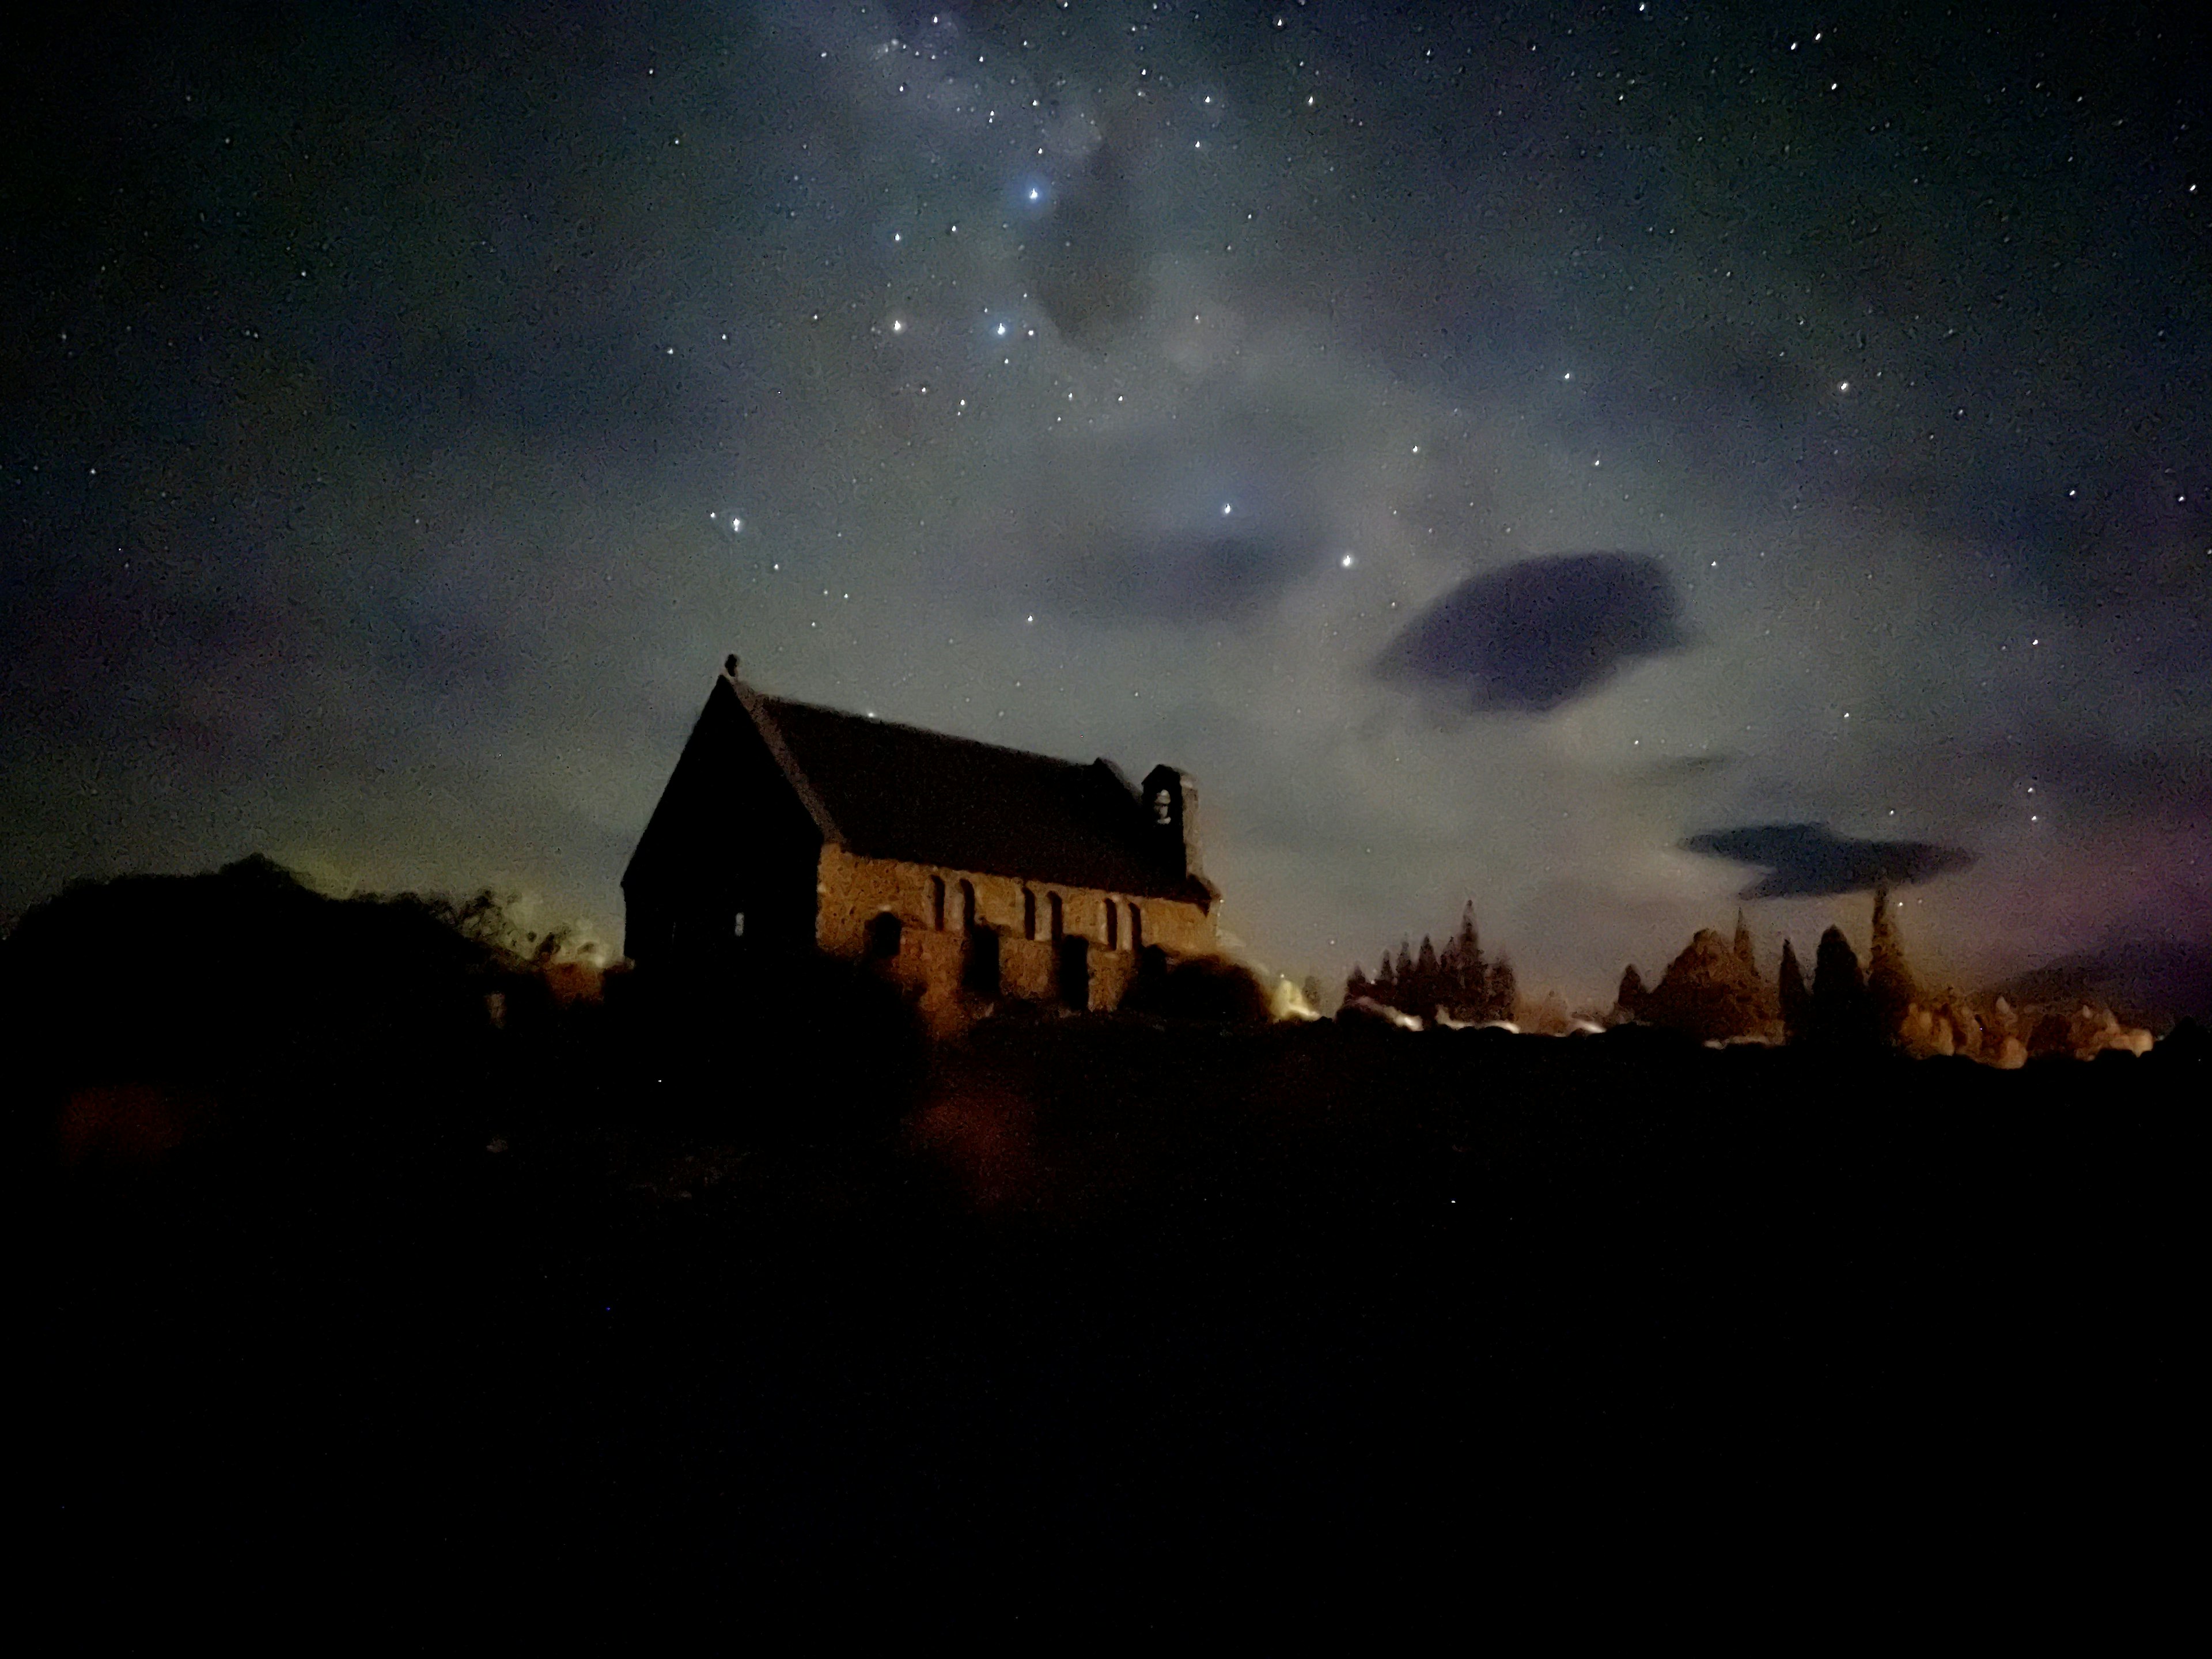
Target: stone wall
point(852, 891)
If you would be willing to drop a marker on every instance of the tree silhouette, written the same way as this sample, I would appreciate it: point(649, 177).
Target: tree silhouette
point(1843, 1013)
point(1456, 980)
point(1796, 1000)
point(1428, 986)
point(1889, 980)
point(1467, 975)
point(1504, 991)
point(1629, 1000)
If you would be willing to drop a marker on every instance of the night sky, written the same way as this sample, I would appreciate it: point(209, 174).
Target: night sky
point(1600, 460)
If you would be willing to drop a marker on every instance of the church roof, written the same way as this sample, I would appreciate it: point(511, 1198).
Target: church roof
point(887, 791)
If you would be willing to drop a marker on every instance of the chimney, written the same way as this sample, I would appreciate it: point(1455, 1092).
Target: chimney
point(1171, 802)
point(730, 666)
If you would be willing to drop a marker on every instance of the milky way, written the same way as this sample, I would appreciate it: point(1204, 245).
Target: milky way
point(404, 414)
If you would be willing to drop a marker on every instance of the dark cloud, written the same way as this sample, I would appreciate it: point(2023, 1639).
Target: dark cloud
point(383, 385)
point(1536, 634)
point(1810, 861)
point(1188, 577)
point(1087, 260)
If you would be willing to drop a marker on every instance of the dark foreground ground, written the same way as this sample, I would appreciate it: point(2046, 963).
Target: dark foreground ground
point(1084, 1316)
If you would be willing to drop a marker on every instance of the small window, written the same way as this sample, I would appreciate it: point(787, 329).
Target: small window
point(1113, 925)
point(979, 967)
point(882, 937)
point(1029, 913)
point(1136, 928)
point(737, 925)
point(1163, 809)
point(967, 906)
point(937, 903)
point(1054, 914)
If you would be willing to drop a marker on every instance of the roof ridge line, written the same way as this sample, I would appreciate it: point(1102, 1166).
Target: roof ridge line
point(764, 722)
point(928, 732)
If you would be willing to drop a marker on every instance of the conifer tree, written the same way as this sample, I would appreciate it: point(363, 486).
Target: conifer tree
point(1403, 977)
point(1630, 1002)
point(1356, 985)
point(1843, 1013)
point(1428, 986)
point(1386, 983)
point(1470, 974)
point(1889, 980)
point(1504, 991)
point(1796, 1000)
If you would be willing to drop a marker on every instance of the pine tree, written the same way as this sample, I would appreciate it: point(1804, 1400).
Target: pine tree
point(1428, 988)
point(1796, 1000)
point(1505, 992)
point(1889, 980)
point(1843, 1013)
point(1386, 982)
point(1356, 985)
point(1403, 977)
point(1470, 974)
point(1630, 1002)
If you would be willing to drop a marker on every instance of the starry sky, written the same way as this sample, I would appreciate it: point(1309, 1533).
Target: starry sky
point(1600, 460)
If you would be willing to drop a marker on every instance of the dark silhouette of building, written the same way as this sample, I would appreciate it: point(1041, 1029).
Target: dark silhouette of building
point(968, 872)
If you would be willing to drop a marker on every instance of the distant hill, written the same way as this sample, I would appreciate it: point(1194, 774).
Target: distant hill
point(2150, 981)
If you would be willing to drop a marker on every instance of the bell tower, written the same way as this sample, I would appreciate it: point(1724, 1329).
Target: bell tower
point(1171, 802)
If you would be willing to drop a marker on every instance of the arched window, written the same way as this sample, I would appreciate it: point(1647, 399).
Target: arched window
point(937, 903)
point(1136, 927)
point(967, 906)
point(1113, 925)
point(1029, 913)
point(1053, 914)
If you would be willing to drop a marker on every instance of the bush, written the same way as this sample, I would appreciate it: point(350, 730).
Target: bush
point(1211, 989)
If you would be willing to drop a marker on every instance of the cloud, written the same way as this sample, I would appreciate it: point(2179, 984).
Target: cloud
point(1806, 861)
point(1187, 578)
point(1540, 633)
point(1088, 261)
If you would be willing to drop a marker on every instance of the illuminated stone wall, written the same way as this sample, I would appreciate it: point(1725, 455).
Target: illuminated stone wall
point(932, 957)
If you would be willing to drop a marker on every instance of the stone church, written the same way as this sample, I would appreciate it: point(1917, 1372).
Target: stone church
point(969, 874)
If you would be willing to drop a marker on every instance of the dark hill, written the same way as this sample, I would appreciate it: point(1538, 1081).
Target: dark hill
point(2150, 982)
point(1097, 1315)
